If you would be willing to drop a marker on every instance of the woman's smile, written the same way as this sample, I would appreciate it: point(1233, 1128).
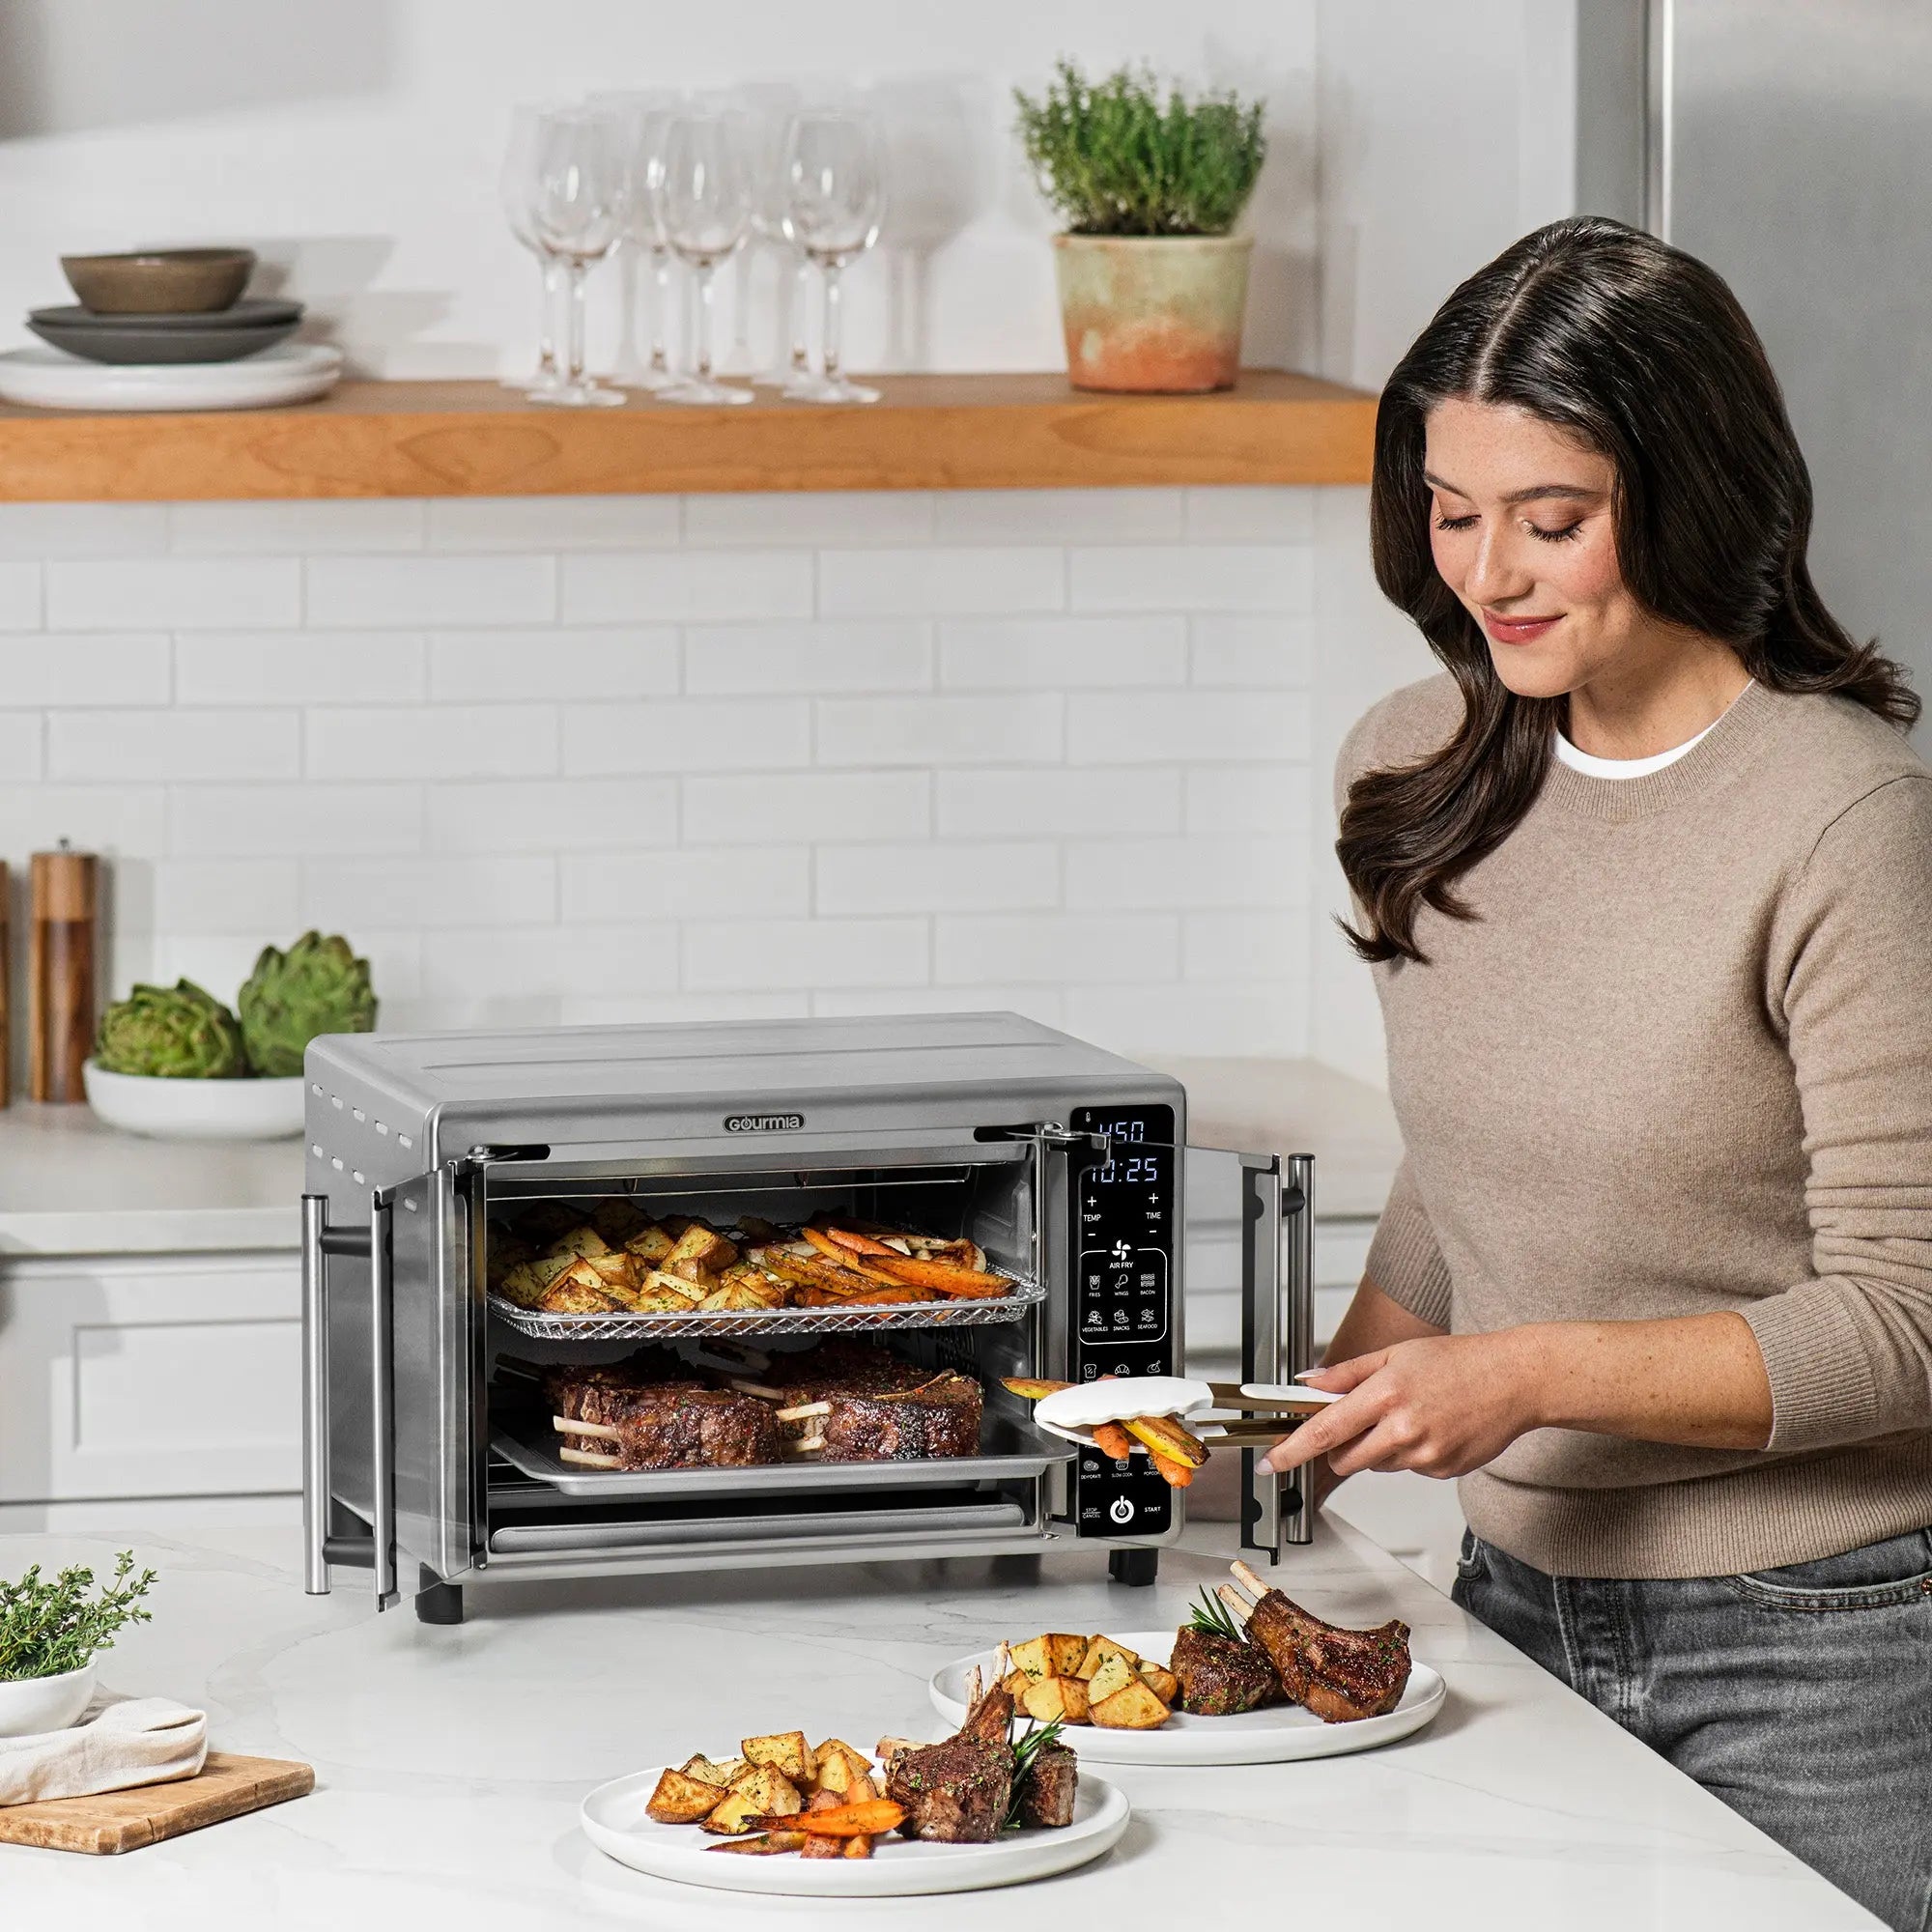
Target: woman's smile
point(1517, 630)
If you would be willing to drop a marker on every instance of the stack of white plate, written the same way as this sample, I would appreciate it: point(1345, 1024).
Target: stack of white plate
point(48, 378)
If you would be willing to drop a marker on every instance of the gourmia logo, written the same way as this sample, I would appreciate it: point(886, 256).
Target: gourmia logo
point(763, 1124)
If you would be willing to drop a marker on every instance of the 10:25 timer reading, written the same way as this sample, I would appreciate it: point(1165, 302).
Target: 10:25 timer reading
point(1117, 1167)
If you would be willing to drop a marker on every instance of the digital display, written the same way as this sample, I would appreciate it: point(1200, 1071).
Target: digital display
point(1122, 1166)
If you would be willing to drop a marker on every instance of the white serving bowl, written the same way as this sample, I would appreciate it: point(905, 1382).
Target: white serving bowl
point(196, 1110)
point(30, 1705)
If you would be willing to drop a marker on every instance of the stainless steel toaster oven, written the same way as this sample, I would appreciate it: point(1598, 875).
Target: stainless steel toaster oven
point(429, 1454)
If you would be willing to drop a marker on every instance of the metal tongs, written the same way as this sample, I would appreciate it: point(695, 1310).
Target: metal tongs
point(1269, 1410)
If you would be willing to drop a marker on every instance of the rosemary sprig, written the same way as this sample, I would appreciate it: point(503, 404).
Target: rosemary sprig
point(1028, 1746)
point(1211, 1614)
point(49, 1628)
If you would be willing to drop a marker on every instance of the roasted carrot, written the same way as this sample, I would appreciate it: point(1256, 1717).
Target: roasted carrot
point(865, 1819)
point(1177, 1475)
point(940, 1278)
point(860, 1244)
point(1110, 1440)
point(857, 1848)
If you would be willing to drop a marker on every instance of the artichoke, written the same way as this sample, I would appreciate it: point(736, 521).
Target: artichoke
point(318, 985)
point(178, 1033)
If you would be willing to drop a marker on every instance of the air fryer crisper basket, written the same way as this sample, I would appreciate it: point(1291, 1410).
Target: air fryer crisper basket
point(982, 1313)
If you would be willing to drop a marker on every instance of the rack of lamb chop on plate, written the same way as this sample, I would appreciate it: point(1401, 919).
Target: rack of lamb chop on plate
point(1339, 1674)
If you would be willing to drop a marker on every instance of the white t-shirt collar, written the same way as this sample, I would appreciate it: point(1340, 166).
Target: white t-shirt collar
point(1592, 766)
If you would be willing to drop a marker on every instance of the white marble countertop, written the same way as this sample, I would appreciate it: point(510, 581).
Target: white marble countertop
point(72, 1186)
point(450, 1762)
point(1297, 1106)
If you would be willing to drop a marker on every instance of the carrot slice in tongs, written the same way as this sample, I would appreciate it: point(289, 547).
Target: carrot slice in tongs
point(938, 1277)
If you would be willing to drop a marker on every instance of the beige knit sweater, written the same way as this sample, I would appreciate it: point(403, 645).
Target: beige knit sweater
point(1683, 1062)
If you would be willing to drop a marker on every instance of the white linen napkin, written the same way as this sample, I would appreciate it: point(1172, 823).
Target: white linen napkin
point(118, 1743)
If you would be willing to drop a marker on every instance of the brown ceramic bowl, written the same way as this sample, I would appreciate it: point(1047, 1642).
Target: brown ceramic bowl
point(161, 281)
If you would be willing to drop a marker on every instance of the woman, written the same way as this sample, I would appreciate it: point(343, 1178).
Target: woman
point(1647, 883)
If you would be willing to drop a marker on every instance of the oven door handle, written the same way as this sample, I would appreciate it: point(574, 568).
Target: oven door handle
point(1277, 1330)
point(382, 1401)
point(318, 1242)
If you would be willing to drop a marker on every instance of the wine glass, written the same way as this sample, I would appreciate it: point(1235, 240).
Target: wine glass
point(768, 110)
point(644, 118)
point(835, 197)
point(516, 189)
point(704, 202)
point(578, 209)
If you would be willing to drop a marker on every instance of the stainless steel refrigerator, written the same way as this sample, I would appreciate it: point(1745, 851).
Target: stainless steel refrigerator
point(1789, 144)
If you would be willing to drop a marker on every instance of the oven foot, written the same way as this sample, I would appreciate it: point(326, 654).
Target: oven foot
point(437, 1601)
point(1136, 1568)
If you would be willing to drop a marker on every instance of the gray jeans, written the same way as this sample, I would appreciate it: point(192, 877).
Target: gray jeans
point(1801, 1697)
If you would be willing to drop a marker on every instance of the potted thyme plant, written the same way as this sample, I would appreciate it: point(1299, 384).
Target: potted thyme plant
point(1153, 281)
point(50, 1632)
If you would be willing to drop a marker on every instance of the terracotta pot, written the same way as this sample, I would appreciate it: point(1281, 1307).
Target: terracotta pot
point(1153, 313)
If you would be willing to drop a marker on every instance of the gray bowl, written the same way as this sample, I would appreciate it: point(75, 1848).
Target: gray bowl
point(159, 281)
point(135, 341)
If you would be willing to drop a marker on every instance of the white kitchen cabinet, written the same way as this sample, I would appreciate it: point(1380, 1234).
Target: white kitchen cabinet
point(150, 1376)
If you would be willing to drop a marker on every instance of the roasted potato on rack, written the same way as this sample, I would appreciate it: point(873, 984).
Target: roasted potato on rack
point(616, 1220)
point(568, 1296)
point(583, 1240)
point(524, 1283)
point(650, 1244)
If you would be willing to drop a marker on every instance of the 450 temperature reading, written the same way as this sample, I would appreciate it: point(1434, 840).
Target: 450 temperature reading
point(1119, 1166)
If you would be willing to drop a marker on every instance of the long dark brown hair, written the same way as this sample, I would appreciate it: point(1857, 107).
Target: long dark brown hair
point(1643, 352)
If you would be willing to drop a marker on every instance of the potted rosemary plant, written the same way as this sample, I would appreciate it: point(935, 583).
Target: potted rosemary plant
point(1153, 280)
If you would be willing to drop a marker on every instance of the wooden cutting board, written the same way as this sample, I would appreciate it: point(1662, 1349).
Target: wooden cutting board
point(124, 1821)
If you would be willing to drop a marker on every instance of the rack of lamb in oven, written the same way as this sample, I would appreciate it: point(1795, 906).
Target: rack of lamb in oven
point(650, 1413)
point(854, 1403)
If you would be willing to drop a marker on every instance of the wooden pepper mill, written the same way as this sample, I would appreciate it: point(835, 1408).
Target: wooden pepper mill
point(60, 972)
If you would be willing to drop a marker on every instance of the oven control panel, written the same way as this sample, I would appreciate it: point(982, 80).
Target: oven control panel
point(1122, 1315)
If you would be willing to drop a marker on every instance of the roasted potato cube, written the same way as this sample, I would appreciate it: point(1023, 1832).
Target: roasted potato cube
point(1134, 1708)
point(1114, 1674)
point(852, 1752)
point(526, 1282)
point(786, 1750)
point(1048, 1698)
point(1065, 1654)
point(1016, 1681)
point(680, 1799)
point(1030, 1657)
point(651, 1300)
point(766, 1793)
point(650, 1244)
point(657, 1282)
point(732, 1770)
point(568, 1296)
point(737, 1297)
point(616, 1220)
point(1161, 1680)
point(857, 1848)
point(705, 1771)
point(543, 1221)
point(503, 1253)
point(699, 1248)
point(583, 1240)
point(1098, 1651)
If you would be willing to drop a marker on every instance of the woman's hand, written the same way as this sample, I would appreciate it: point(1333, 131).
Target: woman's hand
point(1442, 1405)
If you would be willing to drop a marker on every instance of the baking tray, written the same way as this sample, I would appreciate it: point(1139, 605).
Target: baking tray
point(1026, 1296)
point(555, 1538)
point(1007, 1451)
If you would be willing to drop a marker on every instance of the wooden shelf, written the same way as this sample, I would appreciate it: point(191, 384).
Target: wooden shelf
point(479, 440)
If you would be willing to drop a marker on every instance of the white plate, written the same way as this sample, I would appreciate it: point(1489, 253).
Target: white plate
point(615, 1821)
point(48, 379)
point(196, 1110)
point(1074, 1412)
point(1274, 1734)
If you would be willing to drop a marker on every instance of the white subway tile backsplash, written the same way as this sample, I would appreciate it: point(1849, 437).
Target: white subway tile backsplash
point(809, 517)
point(736, 955)
point(1264, 513)
point(1069, 948)
point(688, 734)
point(674, 586)
point(83, 669)
point(295, 528)
point(822, 807)
point(172, 744)
point(1056, 803)
point(1221, 870)
point(468, 741)
point(552, 815)
point(550, 522)
point(420, 895)
point(1186, 727)
point(940, 582)
point(413, 591)
point(1192, 577)
point(254, 899)
point(687, 885)
point(298, 820)
point(1058, 516)
point(1251, 653)
point(127, 820)
point(620, 758)
point(227, 593)
point(890, 654)
point(249, 667)
point(1062, 653)
point(495, 666)
point(36, 530)
point(1007, 877)
point(1015, 730)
